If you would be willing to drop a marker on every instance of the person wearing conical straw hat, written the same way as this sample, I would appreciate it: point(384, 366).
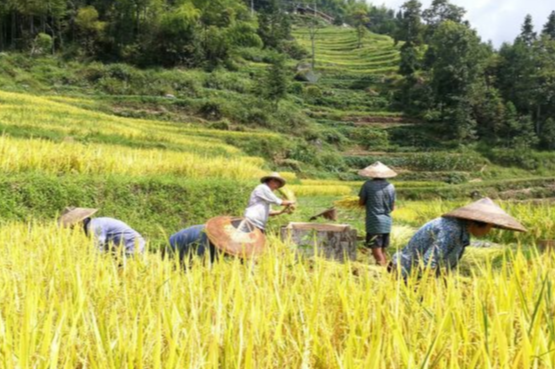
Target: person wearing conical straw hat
point(106, 232)
point(225, 235)
point(441, 243)
point(262, 198)
point(377, 195)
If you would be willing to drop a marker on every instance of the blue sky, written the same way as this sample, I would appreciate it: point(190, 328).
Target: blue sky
point(495, 20)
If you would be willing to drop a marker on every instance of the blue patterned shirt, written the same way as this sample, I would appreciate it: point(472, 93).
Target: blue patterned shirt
point(439, 243)
point(108, 232)
point(379, 198)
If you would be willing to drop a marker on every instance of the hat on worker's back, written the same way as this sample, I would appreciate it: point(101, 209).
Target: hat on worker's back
point(72, 215)
point(235, 236)
point(276, 176)
point(486, 211)
point(378, 170)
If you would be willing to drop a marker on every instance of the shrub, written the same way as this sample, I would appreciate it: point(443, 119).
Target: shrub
point(42, 44)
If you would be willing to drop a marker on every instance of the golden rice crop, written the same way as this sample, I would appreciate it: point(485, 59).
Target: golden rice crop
point(17, 155)
point(65, 305)
point(42, 114)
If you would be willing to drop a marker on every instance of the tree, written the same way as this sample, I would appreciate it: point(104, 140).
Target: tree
point(359, 19)
point(274, 25)
point(178, 40)
point(90, 28)
point(410, 23)
point(439, 12)
point(456, 69)
point(548, 134)
point(276, 82)
point(410, 30)
point(549, 28)
point(314, 27)
point(527, 34)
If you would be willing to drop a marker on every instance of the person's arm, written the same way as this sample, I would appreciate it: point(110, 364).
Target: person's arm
point(99, 236)
point(267, 195)
point(393, 197)
point(362, 197)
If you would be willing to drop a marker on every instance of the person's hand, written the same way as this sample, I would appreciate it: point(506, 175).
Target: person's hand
point(288, 203)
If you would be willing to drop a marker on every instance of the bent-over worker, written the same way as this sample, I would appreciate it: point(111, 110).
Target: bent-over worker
point(192, 241)
point(108, 233)
point(221, 235)
point(377, 195)
point(441, 243)
point(262, 198)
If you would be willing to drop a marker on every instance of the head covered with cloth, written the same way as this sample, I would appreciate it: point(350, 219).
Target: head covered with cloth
point(442, 241)
point(107, 233)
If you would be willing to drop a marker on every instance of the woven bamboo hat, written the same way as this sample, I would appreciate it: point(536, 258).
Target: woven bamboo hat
point(235, 236)
point(486, 211)
point(378, 170)
point(72, 215)
point(276, 176)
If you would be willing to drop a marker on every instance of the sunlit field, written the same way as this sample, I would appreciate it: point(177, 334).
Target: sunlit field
point(66, 305)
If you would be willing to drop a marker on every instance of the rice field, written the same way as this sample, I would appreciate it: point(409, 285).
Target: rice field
point(121, 146)
point(66, 305)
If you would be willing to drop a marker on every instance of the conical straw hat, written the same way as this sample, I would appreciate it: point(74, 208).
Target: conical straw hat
point(235, 236)
point(72, 215)
point(486, 211)
point(377, 170)
point(276, 176)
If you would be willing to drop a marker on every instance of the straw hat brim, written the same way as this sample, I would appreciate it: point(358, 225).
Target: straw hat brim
point(377, 170)
point(377, 174)
point(235, 236)
point(75, 216)
point(280, 179)
point(486, 211)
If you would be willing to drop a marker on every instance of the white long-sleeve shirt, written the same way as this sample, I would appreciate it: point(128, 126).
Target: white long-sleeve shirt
point(260, 202)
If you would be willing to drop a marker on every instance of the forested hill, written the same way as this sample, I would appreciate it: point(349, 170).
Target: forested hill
point(417, 88)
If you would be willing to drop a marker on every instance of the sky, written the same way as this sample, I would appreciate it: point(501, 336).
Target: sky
point(495, 20)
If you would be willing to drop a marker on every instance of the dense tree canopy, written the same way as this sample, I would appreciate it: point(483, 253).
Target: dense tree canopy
point(448, 74)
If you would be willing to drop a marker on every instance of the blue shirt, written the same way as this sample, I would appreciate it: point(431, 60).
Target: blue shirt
point(379, 198)
point(108, 232)
point(440, 242)
point(191, 241)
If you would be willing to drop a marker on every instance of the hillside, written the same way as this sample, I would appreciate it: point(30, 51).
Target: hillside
point(166, 149)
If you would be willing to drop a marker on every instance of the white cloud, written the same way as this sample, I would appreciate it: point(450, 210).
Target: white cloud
point(495, 20)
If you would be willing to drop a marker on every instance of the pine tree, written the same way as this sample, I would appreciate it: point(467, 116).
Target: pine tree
point(527, 34)
point(276, 83)
point(439, 12)
point(549, 28)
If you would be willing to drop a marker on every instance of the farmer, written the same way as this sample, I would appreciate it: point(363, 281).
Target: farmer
point(378, 196)
point(230, 236)
point(441, 242)
point(107, 233)
point(262, 198)
point(192, 241)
